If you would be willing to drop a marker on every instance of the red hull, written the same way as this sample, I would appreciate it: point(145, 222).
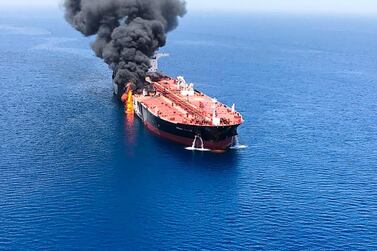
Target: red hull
point(220, 145)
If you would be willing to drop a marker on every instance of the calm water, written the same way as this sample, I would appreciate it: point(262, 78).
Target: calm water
point(76, 173)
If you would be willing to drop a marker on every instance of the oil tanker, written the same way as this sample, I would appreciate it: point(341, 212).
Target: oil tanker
point(175, 110)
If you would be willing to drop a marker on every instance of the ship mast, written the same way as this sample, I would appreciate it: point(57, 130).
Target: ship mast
point(154, 61)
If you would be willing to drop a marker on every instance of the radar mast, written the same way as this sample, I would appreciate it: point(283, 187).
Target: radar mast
point(154, 61)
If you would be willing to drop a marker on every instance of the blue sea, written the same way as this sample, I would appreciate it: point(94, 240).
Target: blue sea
point(76, 173)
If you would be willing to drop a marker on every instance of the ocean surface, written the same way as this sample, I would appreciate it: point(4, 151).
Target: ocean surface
point(76, 173)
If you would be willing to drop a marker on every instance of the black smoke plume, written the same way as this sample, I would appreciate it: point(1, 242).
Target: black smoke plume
point(128, 32)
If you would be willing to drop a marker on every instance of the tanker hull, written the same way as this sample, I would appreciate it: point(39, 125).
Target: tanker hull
point(214, 138)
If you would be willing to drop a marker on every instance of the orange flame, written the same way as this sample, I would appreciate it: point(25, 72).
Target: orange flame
point(130, 103)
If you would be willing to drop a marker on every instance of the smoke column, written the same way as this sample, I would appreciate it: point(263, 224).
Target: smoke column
point(128, 32)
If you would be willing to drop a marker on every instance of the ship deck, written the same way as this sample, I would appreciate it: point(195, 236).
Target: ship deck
point(172, 103)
